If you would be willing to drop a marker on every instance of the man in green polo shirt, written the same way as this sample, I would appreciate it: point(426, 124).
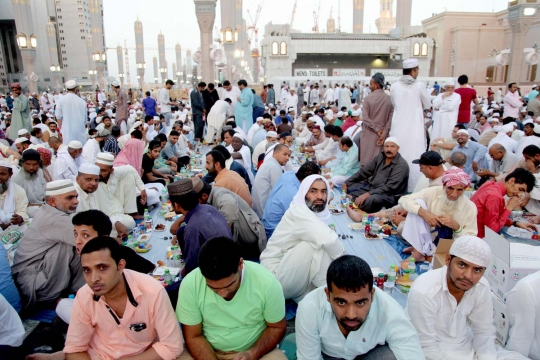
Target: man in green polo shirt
point(230, 309)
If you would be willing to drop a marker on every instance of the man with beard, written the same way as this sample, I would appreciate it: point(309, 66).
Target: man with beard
point(13, 200)
point(230, 308)
point(22, 143)
point(370, 324)
point(437, 213)
point(230, 164)
point(476, 154)
point(241, 153)
point(229, 179)
point(260, 149)
point(451, 307)
point(95, 197)
point(93, 146)
point(68, 161)
point(302, 245)
point(46, 266)
point(32, 180)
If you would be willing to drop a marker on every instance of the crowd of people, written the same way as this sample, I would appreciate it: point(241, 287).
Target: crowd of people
point(78, 173)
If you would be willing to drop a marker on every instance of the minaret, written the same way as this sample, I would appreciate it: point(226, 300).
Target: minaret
point(120, 60)
point(162, 61)
point(155, 70)
point(189, 65)
point(53, 52)
point(331, 24)
point(126, 61)
point(205, 10)
point(98, 43)
point(386, 21)
point(139, 51)
point(178, 50)
point(358, 16)
point(403, 13)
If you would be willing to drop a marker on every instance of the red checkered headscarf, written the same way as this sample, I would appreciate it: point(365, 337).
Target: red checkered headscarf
point(455, 176)
point(44, 153)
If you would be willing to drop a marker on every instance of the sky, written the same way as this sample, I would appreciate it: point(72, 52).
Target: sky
point(177, 21)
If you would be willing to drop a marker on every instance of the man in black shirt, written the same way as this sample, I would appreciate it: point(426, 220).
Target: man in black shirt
point(149, 174)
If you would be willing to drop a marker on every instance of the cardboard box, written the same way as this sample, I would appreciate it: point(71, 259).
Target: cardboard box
point(500, 319)
point(439, 257)
point(511, 262)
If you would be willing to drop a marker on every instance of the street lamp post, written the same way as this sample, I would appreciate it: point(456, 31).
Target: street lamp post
point(229, 38)
point(99, 60)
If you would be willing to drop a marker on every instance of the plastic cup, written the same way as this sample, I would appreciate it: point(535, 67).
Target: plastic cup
point(389, 287)
point(423, 268)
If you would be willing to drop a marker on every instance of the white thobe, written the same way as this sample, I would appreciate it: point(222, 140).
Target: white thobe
point(45, 103)
point(126, 184)
point(408, 123)
point(292, 101)
point(505, 140)
point(216, 118)
point(252, 130)
point(71, 109)
point(283, 96)
point(448, 108)
point(526, 141)
point(90, 151)
point(327, 151)
point(65, 167)
point(19, 204)
point(329, 95)
point(260, 148)
point(448, 330)
point(246, 159)
point(266, 178)
point(337, 92)
point(102, 98)
point(314, 96)
point(163, 100)
point(234, 94)
point(345, 98)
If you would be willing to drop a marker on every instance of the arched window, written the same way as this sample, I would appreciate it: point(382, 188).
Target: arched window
point(275, 48)
point(416, 49)
point(424, 49)
point(489, 73)
point(283, 48)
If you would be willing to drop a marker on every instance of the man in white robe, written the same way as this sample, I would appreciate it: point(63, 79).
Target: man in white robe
point(447, 106)
point(71, 114)
point(329, 95)
point(95, 197)
point(314, 95)
point(345, 97)
point(231, 92)
point(410, 97)
point(253, 129)
point(302, 246)
point(292, 100)
point(241, 153)
point(13, 199)
point(93, 146)
point(68, 161)
point(216, 118)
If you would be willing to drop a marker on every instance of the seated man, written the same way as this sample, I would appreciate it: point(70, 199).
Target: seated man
point(437, 213)
point(493, 210)
point(503, 161)
point(260, 149)
point(381, 181)
point(120, 313)
point(476, 154)
point(202, 222)
point(230, 164)
point(302, 246)
point(223, 177)
point(451, 307)
point(432, 168)
point(282, 194)
point(31, 179)
point(230, 308)
point(170, 151)
point(95, 197)
point(348, 165)
point(305, 135)
point(267, 176)
point(444, 146)
point(523, 310)
point(13, 200)
point(241, 153)
point(245, 226)
point(68, 160)
point(93, 146)
point(370, 324)
point(46, 266)
point(21, 144)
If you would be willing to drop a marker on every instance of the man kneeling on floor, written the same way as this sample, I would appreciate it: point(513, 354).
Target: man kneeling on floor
point(350, 319)
point(230, 309)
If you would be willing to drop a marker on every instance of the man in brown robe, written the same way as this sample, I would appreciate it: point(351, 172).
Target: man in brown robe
point(377, 114)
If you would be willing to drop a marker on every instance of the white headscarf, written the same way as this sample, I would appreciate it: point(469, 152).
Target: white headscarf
point(300, 197)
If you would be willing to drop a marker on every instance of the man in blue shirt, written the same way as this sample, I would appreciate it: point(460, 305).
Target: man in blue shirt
point(475, 152)
point(282, 194)
point(203, 222)
point(350, 319)
point(7, 285)
point(149, 105)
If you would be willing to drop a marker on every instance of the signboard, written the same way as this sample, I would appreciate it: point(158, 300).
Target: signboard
point(387, 72)
point(349, 72)
point(310, 72)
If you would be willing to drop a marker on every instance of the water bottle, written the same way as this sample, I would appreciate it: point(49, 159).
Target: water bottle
point(167, 277)
point(146, 214)
point(176, 257)
point(392, 274)
point(412, 269)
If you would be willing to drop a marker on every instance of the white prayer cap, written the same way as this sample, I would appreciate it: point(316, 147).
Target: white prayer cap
point(356, 113)
point(75, 144)
point(87, 168)
point(59, 187)
point(497, 128)
point(186, 128)
point(449, 83)
point(339, 114)
point(496, 115)
point(156, 118)
point(266, 108)
point(22, 132)
point(98, 119)
point(514, 125)
point(304, 112)
point(105, 159)
point(5, 164)
point(508, 128)
point(132, 111)
point(536, 129)
point(260, 118)
point(139, 112)
point(272, 134)
point(71, 84)
point(21, 139)
point(534, 86)
point(472, 249)
point(115, 83)
point(311, 119)
point(392, 139)
point(410, 63)
point(528, 121)
point(463, 131)
point(270, 105)
point(136, 125)
point(290, 109)
point(240, 136)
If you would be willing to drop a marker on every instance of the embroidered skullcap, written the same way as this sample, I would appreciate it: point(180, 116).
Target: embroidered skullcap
point(240, 136)
point(22, 132)
point(272, 134)
point(180, 187)
point(90, 169)
point(410, 63)
point(472, 249)
point(197, 184)
point(75, 144)
point(59, 187)
point(455, 176)
point(21, 140)
point(105, 159)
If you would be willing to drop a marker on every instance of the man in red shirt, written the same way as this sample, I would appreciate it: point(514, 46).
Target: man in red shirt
point(489, 200)
point(468, 95)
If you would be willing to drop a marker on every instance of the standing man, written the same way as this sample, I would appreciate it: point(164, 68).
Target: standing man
point(410, 97)
point(20, 118)
point(232, 92)
point(71, 114)
point(197, 109)
point(468, 96)
point(164, 101)
point(300, 94)
point(292, 102)
point(121, 107)
point(271, 95)
point(377, 113)
point(243, 113)
point(512, 104)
